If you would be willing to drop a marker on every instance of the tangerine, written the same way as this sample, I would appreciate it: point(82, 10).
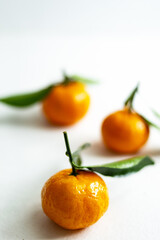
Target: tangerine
point(66, 103)
point(124, 131)
point(75, 202)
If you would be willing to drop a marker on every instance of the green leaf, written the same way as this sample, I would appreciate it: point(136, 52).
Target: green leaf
point(77, 160)
point(82, 147)
point(156, 114)
point(76, 155)
point(149, 123)
point(83, 80)
point(123, 167)
point(27, 99)
point(129, 100)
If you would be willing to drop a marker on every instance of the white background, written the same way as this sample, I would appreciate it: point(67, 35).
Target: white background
point(116, 42)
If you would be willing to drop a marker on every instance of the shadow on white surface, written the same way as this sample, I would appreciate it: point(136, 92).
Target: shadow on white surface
point(23, 118)
point(30, 118)
point(44, 228)
point(155, 152)
point(98, 149)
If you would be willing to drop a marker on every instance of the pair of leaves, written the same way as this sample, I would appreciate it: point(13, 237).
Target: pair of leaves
point(28, 99)
point(129, 103)
point(117, 168)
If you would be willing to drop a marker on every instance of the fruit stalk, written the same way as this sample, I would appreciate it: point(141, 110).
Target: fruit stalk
point(74, 172)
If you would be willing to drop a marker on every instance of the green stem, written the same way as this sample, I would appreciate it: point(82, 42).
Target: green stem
point(74, 172)
point(66, 79)
point(129, 101)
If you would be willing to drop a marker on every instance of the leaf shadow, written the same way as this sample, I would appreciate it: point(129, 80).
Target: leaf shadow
point(30, 118)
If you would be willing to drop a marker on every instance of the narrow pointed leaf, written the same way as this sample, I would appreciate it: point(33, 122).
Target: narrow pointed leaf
point(27, 99)
point(149, 122)
point(83, 80)
point(129, 100)
point(156, 114)
point(77, 160)
point(76, 155)
point(121, 167)
point(82, 147)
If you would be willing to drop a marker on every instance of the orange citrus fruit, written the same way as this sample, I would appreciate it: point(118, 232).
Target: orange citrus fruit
point(66, 103)
point(124, 131)
point(74, 202)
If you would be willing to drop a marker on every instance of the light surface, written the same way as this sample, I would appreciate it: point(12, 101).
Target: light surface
point(32, 150)
point(116, 43)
